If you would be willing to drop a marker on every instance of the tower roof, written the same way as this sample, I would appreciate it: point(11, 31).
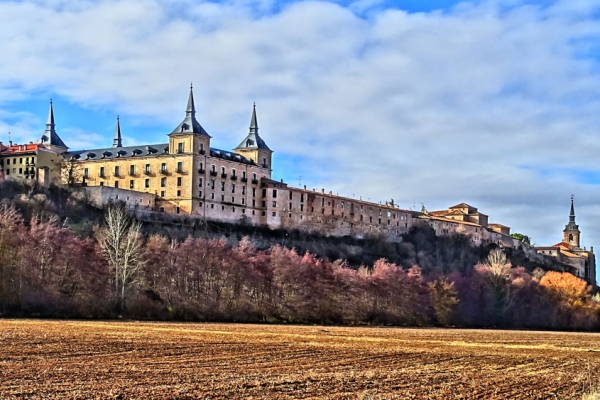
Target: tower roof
point(50, 137)
point(117, 140)
point(190, 124)
point(572, 226)
point(253, 140)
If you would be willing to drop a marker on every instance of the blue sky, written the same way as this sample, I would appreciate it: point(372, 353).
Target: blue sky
point(492, 102)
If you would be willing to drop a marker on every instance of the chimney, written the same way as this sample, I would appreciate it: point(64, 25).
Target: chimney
point(322, 191)
point(10, 142)
point(305, 188)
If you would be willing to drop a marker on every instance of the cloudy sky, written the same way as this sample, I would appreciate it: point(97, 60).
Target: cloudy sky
point(492, 102)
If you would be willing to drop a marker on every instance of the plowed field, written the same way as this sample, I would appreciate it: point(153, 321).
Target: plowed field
point(55, 359)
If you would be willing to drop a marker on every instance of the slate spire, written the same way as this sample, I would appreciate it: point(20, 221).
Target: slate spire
point(50, 137)
point(253, 140)
point(190, 124)
point(572, 214)
point(117, 140)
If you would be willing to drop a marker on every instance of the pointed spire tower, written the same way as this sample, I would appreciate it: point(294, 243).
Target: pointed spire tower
point(190, 124)
point(253, 146)
point(571, 233)
point(117, 140)
point(50, 138)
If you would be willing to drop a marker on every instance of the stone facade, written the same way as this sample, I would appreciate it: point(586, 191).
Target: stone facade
point(186, 176)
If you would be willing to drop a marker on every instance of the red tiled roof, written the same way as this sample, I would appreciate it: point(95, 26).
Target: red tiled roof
point(21, 148)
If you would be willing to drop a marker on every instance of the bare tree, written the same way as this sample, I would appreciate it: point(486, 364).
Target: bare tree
point(122, 245)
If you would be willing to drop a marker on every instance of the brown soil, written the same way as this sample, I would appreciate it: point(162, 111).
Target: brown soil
point(55, 359)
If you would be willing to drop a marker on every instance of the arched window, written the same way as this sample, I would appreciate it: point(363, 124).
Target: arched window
point(570, 237)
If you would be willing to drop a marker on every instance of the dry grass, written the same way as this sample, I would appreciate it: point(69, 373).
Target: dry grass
point(52, 359)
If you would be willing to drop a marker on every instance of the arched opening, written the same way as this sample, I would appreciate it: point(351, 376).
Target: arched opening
point(570, 237)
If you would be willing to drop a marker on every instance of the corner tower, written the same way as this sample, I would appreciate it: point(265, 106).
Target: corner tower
point(571, 233)
point(254, 147)
point(50, 138)
point(189, 136)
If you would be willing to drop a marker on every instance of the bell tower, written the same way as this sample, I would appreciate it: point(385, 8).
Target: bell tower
point(571, 233)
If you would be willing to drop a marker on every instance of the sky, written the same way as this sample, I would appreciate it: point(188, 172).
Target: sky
point(491, 102)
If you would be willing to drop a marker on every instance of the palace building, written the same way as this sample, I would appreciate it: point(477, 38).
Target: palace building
point(186, 176)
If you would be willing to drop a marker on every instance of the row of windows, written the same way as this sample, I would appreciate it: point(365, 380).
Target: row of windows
point(28, 161)
point(133, 170)
point(28, 172)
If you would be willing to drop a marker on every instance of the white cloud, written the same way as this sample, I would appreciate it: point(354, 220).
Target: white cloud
point(437, 107)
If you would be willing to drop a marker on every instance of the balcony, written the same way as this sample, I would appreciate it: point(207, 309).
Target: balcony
point(264, 166)
point(244, 179)
point(254, 181)
point(102, 175)
point(233, 178)
point(164, 171)
point(131, 173)
point(223, 175)
point(179, 170)
point(201, 171)
point(146, 172)
point(213, 173)
point(202, 152)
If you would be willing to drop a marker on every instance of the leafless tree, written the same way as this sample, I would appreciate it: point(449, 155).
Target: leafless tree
point(122, 245)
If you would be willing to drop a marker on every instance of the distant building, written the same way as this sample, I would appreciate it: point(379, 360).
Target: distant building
point(569, 251)
point(41, 161)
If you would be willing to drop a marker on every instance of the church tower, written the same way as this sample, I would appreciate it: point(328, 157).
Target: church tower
point(117, 139)
point(571, 234)
point(189, 136)
point(50, 138)
point(253, 147)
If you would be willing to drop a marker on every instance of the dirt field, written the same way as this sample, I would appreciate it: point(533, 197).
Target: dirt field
point(52, 359)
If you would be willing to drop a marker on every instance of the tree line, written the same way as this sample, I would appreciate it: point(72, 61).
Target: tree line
point(48, 269)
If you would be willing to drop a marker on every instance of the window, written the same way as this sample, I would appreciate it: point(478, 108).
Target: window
point(213, 168)
point(117, 170)
point(222, 186)
point(201, 149)
point(86, 172)
point(222, 197)
point(212, 184)
point(264, 193)
point(233, 199)
point(243, 189)
point(302, 207)
point(163, 167)
point(180, 166)
point(162, 193)
point(147, 169)
point(301, 197)
point(274, 213)
point(163, 182)
point(212, 196)
point(146, 183)
point(178, 193)
point(253, 203)
point(264, 213)
point(101, 183)
point(178, 181)
point(243, 202)
point(132, 170)
point(20, 161)
point(180, 147)
point(233, 188)
point(274, 193)
point(222, 170)
point(253, 192)
point(233, 172)
point(177, 210)
point(116, 184)
point(199, 182)
point(264, 203)
point(131, 184)
point(102, 172)
point(212, 206)
point(264, 162)
point(162, 209)
point(274, 204)
point(200, 193)
point(243, 174)
point(290, 207)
